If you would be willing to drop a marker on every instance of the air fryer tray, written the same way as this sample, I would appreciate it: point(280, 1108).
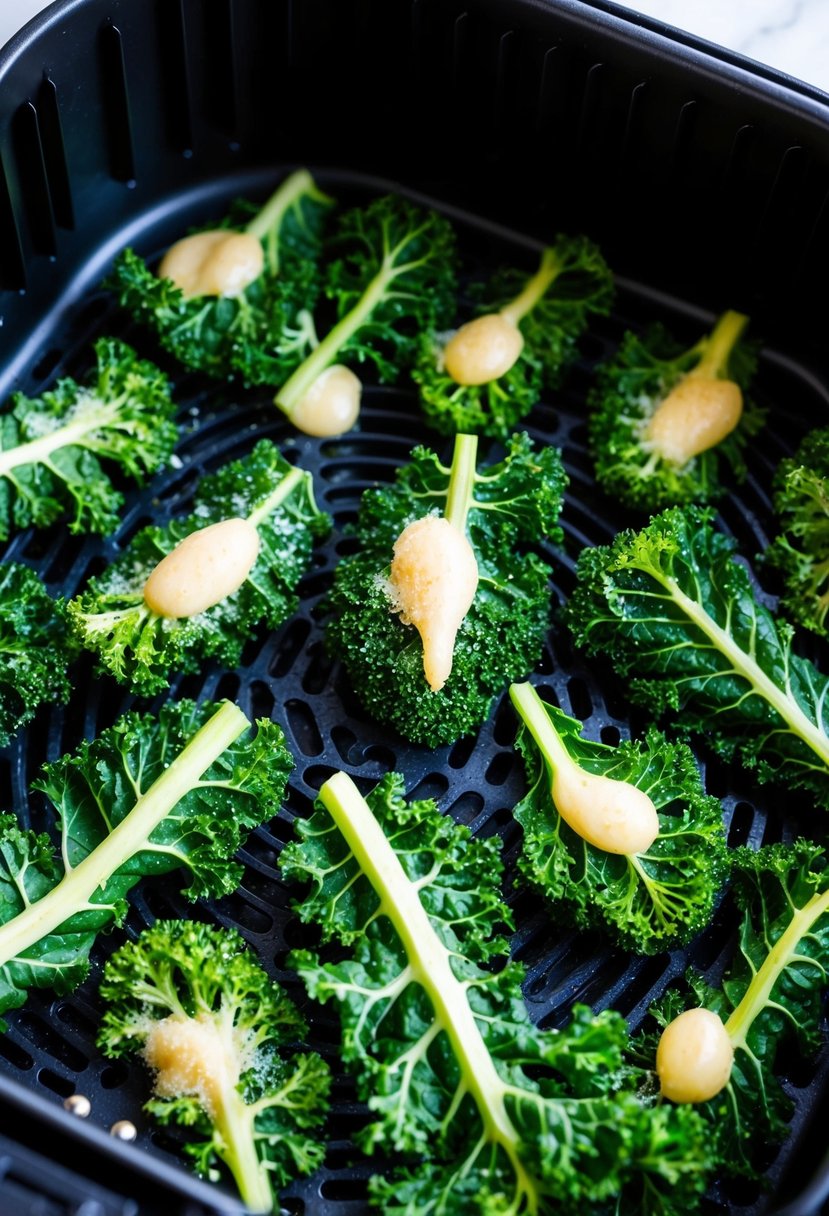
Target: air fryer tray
point(704, 179)
point(49, 1047)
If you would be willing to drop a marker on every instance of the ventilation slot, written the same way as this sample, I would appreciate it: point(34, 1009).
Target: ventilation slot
point(817, 238)
point(739, 202)
point(548, 88)
point(219, 66)
point(417, 43)
point(304, 730)
point(813, 258)
point(501, 95)
point(782, 218)
point(54, 154)
point(587, 124)
point(460, 48)
point(12, 262)
point(739, 185)
point(259, 60)
point(628, 142)
point(115, 105)
point(553, 129)
point(683, 136)
point(175, 76)
point(34, 185)
point(736, 169)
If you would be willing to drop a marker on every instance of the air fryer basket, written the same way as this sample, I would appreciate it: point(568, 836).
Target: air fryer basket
point(706, 185)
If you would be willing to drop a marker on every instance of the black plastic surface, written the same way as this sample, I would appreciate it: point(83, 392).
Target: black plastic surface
point(706, 187)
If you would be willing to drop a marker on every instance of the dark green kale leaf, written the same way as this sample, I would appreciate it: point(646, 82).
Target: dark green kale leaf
point(513, 502)
point(491, 1113)
point(225, 1067)
point(262, 332)
point(552, 310)
point(651, 899)
point(801, 550)
point(146, 797)
point(673, 611)
point(143, 649)
point(391, 276)
point(517, 499)
point(52, 447)
point(771, 995)
point(630, 388)
point(36, 648)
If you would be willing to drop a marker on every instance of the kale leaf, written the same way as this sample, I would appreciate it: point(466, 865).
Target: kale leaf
point(391, 275)
point(218, 1033)
point(511, 503)
point(630, 388)
point(143, 649)
point(490, 1112)
point(148, 796)
point(36, 648)
point(770, 996)
point(260, 332)
point(649, 900)
point(801, 549)
point(678, 616)
point(551, 309)
point(51, 447)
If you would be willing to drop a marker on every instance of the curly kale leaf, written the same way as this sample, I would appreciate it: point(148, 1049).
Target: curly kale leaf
point(143, 649)
point(513, 500)
point(771, 995)
point(552, 309)
point(146, 797)
point(629, 390)
point(391, 276)
point(492, 1113)
point(801, 550)
point(261, 332)
point(51, 447)
point(195, 1005)
point(649, 900)
point(36, 648)
point(677, 615)
point(500, 638)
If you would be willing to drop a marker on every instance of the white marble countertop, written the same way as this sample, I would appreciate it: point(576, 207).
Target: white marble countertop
point(790, 35)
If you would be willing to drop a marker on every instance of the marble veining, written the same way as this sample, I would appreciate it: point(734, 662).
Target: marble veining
point(790, 35)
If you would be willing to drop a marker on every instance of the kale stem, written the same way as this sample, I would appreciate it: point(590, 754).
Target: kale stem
point(758, 993)
point(283, 491)
point(549, 269)
point(78, 886)
point(299, 383)
point(270, 217)
point(461, 481)
point(537, 721)
point(744, 663)
point(234, 1120)
point(72, 433)
point(717, 347)
point(431, 967)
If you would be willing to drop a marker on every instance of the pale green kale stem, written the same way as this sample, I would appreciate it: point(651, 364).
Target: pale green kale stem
point(430, 966)
point(75, 890)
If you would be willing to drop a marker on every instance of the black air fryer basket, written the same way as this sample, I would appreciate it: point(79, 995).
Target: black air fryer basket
point(705, 180)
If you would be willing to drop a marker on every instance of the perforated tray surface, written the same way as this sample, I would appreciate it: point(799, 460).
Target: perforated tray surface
point(49, 1047)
